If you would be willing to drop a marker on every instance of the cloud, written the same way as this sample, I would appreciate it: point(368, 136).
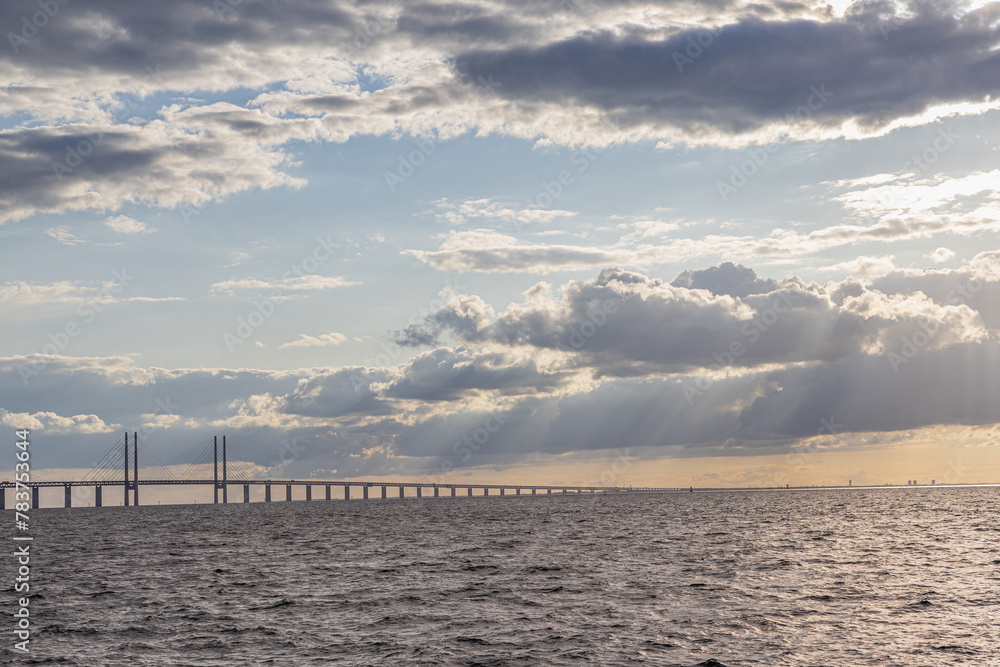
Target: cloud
point(489, 251)
point(833, 77)
point(602, 74)
point(626, 324)
point(865, 266)
point(941, 255)
point(22, 292)
point(903, 206)
point(459, 213)
point(726, 278)
point(321, 340)
point(51, 422)
point(620, 360)
point(126, 225)
point(63, 236)
point(299, 283)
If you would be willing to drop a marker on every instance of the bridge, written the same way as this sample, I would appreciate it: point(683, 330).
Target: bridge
point(114, 468)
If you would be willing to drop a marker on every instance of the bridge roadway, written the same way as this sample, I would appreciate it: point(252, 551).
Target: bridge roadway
point(289, 483)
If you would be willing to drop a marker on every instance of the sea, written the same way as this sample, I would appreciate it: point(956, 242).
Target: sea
point(883, 577)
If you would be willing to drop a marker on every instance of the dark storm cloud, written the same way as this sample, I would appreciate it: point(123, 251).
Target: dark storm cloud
point(184, 35)
point(753, 72)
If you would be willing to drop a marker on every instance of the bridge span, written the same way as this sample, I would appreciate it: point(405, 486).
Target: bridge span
point(223, 482)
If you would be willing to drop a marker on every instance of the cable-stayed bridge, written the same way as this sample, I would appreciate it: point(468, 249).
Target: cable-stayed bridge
point(120, 467)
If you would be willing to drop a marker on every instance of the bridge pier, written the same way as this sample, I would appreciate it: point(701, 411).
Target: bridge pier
point(402, 491)
point(309, 492)
point(364, 490)
point(67, 496)
point(347, 491)
point(486, 490)
point(518, 492)
point(246, 493)
point(453, 490)
point(436, 492)
point(502, 491)
point(3, 499)
point(533, 491)
point(470, 491)
point(550, 491)
point(383, 493)
point(419, 489)
point(288, 493)
point(328, 492)
point(97, 496)
point(267, 493)
point(34, 497)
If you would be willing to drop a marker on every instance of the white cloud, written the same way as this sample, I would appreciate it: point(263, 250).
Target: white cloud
point(50, 422)
point(321, 340)
point(941, 255)
point(22, 292)
point(63, 235)
point(459, 213)
point(126, 225)
point(865, 266)
point(298, 283)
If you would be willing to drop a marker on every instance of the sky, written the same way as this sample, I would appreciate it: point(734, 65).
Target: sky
point(568, 241)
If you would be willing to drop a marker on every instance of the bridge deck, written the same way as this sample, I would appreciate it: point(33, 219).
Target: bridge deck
point(323, 482)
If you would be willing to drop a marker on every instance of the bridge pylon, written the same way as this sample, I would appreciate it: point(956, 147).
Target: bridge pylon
point(216, 485)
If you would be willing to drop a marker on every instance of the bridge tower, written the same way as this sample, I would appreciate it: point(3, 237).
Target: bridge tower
point(135, 469)
point(216, 485)
point(126, 468)
point(134, 484)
